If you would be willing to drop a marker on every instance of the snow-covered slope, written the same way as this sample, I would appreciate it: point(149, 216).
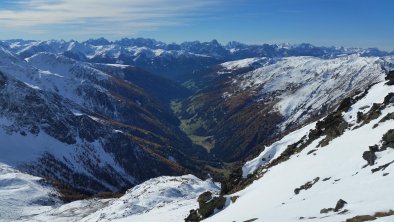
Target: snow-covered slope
point(307, 85)
point(310, 182)
point(164, 199)
point(254, 63)
point(160, 199)
point(23, 195)
point(274, 150)
point(66, 77)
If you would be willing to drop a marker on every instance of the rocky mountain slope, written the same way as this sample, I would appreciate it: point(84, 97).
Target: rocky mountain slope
point(86, 128)
point(256, 100)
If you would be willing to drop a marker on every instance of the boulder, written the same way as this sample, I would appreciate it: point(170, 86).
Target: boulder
point(370, 157)
point(390, 78)
point(388, 139)
point(207, 205)
point(340, 204)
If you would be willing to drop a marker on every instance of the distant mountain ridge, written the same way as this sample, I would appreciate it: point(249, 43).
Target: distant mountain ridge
point(162, 58)
point(211, 48)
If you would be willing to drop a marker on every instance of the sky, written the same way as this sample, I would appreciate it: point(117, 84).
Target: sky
point(349, 23)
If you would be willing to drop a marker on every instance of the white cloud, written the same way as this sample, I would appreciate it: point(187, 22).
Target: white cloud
point(95, 17)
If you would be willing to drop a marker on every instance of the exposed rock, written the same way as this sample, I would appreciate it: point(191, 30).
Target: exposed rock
point(232, 181)
point(307, 185)
point(364, 107)
point(311, 151)
point(372, 114)
point(387, 117)
point(326, 210)
point(388, 139)
point(332, 126)
point(374, 148)
point(345, 105)
point(370, 157)
point(204, 197)
point(207, 205)
point(193, 216)
point(234, 198)
point(344, 211)
point(360, 116)
point(251, 220)
point(340, 204)
point(208, 208)
point(384, 213)
point(389, 98)
point(362, 218)
point(390, 78)
point(382, 167)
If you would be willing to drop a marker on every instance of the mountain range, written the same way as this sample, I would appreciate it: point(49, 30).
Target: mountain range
point(302, 127)
point(174, 61)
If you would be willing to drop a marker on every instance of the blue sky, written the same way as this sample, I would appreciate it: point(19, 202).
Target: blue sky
point(350, 23)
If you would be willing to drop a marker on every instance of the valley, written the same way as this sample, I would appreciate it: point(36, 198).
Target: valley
point(138, 129)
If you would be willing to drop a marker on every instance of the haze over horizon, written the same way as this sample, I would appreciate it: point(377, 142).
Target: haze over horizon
point(348, 23)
